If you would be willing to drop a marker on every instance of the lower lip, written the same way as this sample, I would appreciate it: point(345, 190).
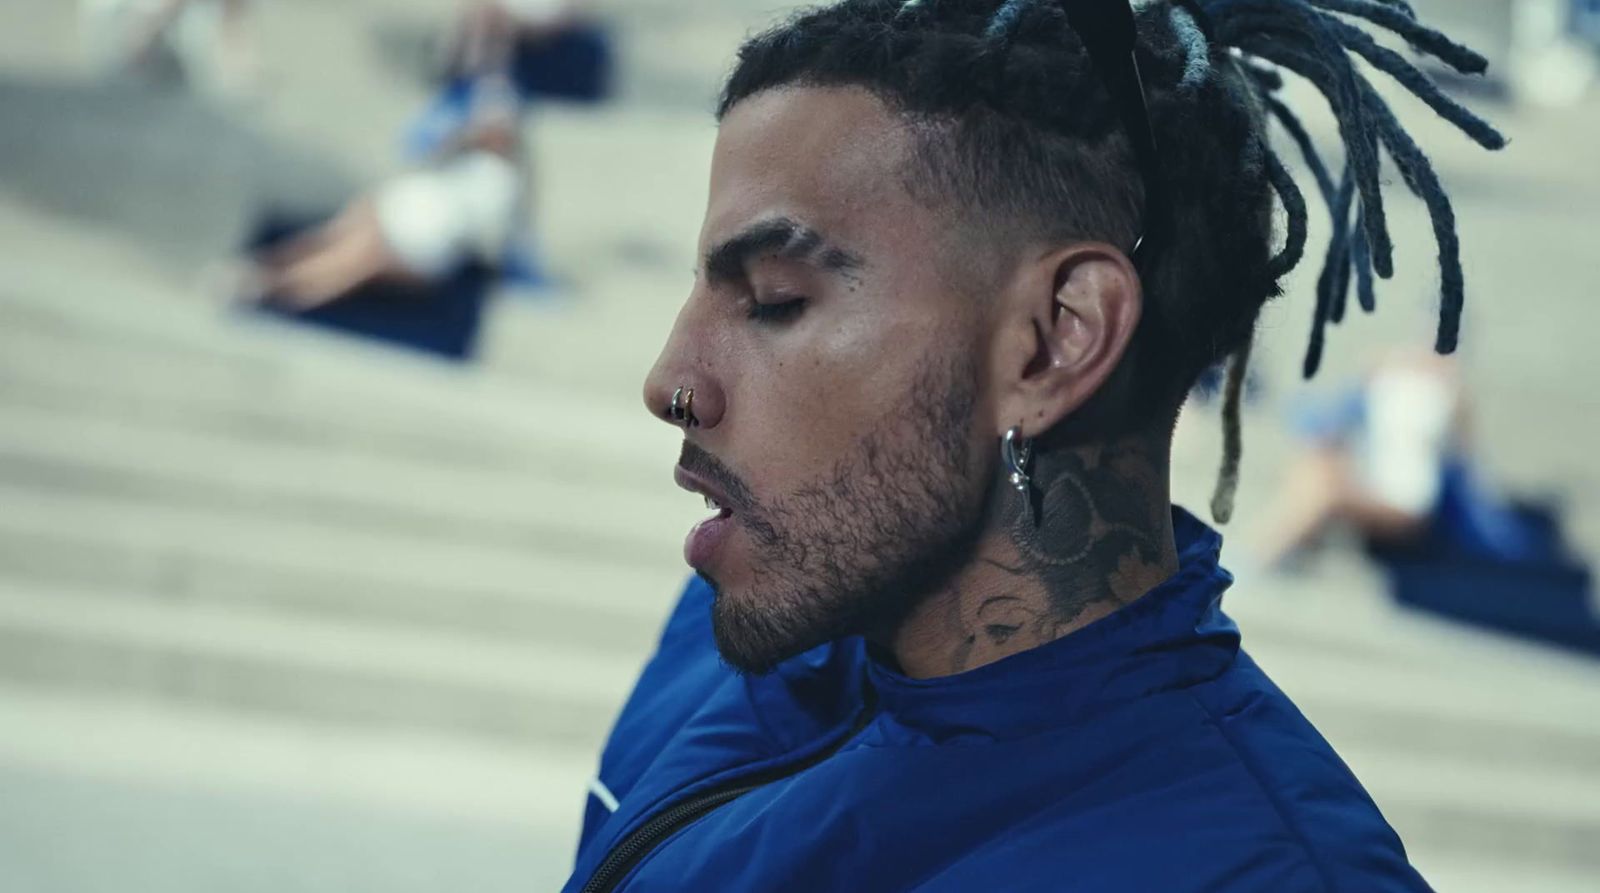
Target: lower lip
point(704, 540)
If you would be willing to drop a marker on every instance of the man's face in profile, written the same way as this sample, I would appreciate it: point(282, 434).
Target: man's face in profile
point(839, 377)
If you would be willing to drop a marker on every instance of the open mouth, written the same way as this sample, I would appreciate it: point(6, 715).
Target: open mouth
point(721, 510)
point(700, 547)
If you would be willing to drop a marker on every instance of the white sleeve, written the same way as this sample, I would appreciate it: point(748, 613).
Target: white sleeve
point(1409, 415)
point(535, 12)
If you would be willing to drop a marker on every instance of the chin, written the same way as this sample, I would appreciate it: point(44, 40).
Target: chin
point(755, 629)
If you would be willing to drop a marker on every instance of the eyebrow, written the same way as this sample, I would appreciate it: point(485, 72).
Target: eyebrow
point(785, 238)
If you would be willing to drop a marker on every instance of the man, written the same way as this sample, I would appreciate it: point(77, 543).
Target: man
point(962, 261)
point(1389, 459)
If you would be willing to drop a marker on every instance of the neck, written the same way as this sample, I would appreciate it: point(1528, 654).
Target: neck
point(1093, 534)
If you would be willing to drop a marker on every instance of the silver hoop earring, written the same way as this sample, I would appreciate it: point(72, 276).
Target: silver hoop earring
point(1015, 451)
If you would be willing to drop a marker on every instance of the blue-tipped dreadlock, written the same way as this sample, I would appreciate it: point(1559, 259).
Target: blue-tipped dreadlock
point(1017, 130)
point(1191, 33)
point(1402, 20)
point(1327, 281)
point(1362, 262)
point(1316, 51)
point(1294, 204)
point(1419, 175)
point(1005, 19)
point(1294, 36)
point(1297, 132)
point(1341, 250)
point(1365, 122)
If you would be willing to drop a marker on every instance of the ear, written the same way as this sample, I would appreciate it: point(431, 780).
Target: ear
point(1069, 318)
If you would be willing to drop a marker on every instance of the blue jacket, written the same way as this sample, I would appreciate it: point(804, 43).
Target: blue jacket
point(1145, 752)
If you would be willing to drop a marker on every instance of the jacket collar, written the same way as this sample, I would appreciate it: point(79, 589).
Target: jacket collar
point(1174, 636)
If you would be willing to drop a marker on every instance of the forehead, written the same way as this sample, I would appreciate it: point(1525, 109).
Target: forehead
point(828, 156)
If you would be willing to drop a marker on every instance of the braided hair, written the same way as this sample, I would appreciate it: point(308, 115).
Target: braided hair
point(1014, 129)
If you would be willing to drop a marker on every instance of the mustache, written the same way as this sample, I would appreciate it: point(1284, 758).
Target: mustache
point(697, 461)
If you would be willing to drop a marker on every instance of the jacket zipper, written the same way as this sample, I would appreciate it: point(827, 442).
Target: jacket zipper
point(632, 849)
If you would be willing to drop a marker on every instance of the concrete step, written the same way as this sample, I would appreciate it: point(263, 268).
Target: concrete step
point(105, 640)
point(538, 509)
point(541, 610)
point(1489, 872)
point(1527, 811)
point(187, 746)
point(109, 793)
point(394, 435)
point(185, 543)
point(397, 398)
point(578, 347)
point(1358, 622)
point(1544, 849)
point(330, 527)
point(64, 308)
point(1411, 708)
point(1506, 793)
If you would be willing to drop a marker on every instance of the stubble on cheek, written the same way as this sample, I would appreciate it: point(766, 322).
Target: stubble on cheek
point(851, 548)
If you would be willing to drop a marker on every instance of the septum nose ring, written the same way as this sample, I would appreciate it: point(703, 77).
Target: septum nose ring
point(682, 407)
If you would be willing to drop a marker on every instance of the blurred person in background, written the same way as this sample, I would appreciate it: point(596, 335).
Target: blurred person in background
point(1390, 460)
point(412, 261)
point(204, 42)
point(487, 33)
point(961, 262)
point(1376, 458)
point(1552, 58)
point(423, 226)
point(546, 49)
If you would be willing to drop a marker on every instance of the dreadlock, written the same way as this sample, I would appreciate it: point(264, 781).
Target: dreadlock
point(1013, 127)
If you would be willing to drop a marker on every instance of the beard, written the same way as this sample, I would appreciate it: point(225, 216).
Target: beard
point(852, 552)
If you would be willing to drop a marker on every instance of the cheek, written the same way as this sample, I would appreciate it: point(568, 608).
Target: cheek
point(809, 398)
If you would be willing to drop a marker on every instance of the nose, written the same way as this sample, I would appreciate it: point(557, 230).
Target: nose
point(682, 389)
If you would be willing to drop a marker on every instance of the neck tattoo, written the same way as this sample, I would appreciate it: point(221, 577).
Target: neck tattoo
point(1097, 536)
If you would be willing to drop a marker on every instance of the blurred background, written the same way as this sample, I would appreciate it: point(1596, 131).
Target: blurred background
point(332, 532)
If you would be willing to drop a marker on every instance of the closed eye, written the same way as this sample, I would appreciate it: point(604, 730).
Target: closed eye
point(776, 311)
